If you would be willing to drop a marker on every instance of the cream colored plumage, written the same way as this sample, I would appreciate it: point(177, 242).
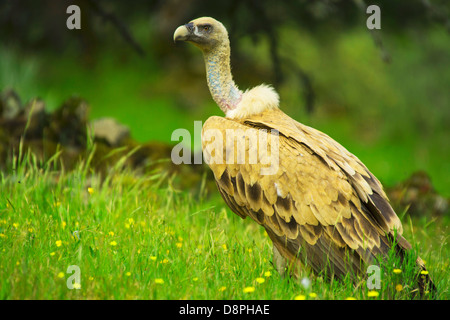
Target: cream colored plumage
point(321, 207)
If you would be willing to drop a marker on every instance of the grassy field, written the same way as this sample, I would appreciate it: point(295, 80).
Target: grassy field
point(136, 237)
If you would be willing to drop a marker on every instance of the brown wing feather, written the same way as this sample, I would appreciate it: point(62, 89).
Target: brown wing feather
point(321, 202)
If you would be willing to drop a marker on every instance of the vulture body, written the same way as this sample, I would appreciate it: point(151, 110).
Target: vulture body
point(319, 204)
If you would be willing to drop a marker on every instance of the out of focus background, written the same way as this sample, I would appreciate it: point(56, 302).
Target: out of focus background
point(383, 94)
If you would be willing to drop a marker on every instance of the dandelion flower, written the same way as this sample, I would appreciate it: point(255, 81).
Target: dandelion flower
point(398, 287)
point(111, 233)
point(397, 271)
point(313, 295)
point(300, 297)
point(165, 260)
point(52, 254)
point(15, 225)
point(128, 274)
point(424, 272)
point(224, 246)
point(195, 279)
point(63, 224)
point(113, 243)
point(373, 294)
point(77, 286)
point(267, 274)
point(153, 258)
point(61, 275)
point(221, 289)
point(249, 289)
point(91, 190)
point(58, 243)
point(260, 280)
point(159, 281)
point(179, 244)
point(350, 298)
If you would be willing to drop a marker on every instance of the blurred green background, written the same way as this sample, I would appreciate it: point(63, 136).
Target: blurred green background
point(384, 95)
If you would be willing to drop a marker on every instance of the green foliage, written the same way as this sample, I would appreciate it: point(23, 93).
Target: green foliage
point(134, 238)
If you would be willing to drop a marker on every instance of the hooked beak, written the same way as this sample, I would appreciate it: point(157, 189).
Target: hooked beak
point(183, 33)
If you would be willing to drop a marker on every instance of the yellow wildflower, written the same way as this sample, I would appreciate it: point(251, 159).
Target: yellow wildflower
point(373, 293)
point(113, 243)
point(77, 286)
point(249, 289)
point(153, 258)
point(397, 271)
point(195, 279)
point(300, 297)
point(58, 243)
point(91, 190)
point(260, 280)
point(128, 274)
point(267, 274)
point(224, 246)
point(63, 224)
point(179, 244)
point(159, 281)
point(398, 287)
point(15, 225)
point(424, 272)
point(52, 254)
point(111, 233)
point(221, 289)
point(313, 295)
point(350, 298)
point(61, 275)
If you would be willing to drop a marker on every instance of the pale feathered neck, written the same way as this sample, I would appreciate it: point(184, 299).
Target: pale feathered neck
point(232, 101)
point(254, 101)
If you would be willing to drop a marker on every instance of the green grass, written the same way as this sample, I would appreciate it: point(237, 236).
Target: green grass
point(134, 237)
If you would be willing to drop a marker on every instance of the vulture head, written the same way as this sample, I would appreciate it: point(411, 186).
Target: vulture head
point(211, 37)
point(206, 33)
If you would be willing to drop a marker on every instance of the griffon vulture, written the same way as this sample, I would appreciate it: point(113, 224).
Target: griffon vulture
point(319, 204)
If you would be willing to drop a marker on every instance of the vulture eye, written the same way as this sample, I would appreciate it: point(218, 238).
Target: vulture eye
point(206, 28)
